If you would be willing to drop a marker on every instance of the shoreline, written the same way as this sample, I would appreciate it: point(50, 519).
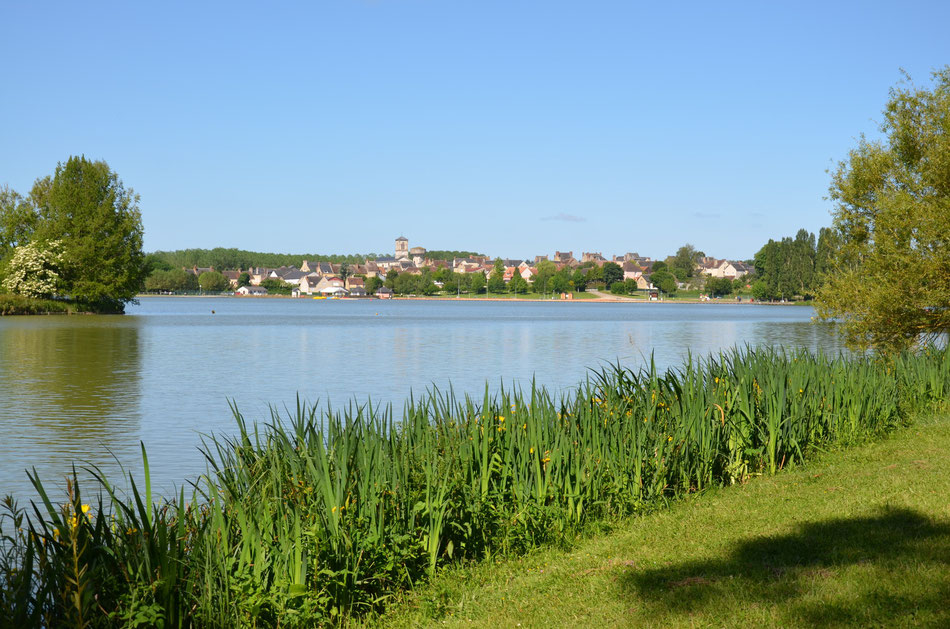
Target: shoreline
point(594, 300)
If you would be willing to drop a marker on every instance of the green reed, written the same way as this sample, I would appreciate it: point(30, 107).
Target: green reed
point(321, 514)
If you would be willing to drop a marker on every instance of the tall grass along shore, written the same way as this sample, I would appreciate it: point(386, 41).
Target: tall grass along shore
point(321, 515)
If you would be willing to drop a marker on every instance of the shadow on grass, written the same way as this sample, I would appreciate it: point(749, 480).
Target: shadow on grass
point(891, 568)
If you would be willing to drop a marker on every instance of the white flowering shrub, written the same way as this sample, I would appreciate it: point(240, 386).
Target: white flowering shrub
point(34, 269)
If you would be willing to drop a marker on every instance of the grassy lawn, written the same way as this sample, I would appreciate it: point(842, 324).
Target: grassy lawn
point(854, 538)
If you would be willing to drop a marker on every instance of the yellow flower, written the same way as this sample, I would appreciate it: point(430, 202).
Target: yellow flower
point(501, 418)
point(801, 390)
point(531, 451)
point(333, 510)
point(669, 438)
point(85, 508)
point(524, 426)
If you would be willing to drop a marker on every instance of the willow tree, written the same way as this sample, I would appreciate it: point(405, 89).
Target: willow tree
point(890, 280)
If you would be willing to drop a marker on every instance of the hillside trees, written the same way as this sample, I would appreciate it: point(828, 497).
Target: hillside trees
point(171, 280)
point(891, 282)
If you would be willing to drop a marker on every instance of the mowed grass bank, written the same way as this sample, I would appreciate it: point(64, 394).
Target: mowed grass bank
point(856, 538)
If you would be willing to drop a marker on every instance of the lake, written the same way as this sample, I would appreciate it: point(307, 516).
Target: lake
point(89, 389)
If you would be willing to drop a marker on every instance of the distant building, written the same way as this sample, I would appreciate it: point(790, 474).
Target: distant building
point(253, 291)
point(402, 248)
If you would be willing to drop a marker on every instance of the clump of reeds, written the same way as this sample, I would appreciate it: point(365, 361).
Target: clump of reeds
point(317, 515)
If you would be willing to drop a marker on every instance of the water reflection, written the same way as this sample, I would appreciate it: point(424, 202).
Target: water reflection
point(70, 388)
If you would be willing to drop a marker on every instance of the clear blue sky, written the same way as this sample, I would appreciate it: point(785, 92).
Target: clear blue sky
point(513, 128)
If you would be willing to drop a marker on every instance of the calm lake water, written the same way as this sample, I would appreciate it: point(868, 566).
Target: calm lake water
point(88, 389)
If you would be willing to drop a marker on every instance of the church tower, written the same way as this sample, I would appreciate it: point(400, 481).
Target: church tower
point(402, 248)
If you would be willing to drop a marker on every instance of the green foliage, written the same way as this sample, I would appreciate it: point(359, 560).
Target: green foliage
point(786, 269)
point(891, 282)
point(718, 286)
point(618, 288)
point(445, 254)
point(580, 279)
point(244, 279)
point(496, 281)
point(683, 264)
point(518, 284)
point(322, 515)
point(213, 282)
point(372, 284)
point(612, 273)
point(231, 258)
point(542, 280)
point(276, 286)
point(561, 282)
point(477, 285)
point(86, 206)
point(18, 219)
point(19, 305)
point(173, 280)
point(154, 263)
point(664, 280)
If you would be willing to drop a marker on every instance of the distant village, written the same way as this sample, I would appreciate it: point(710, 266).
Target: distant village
point(327, 279)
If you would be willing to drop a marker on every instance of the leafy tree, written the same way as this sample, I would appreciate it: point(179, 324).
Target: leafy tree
point(244, 279)
point(561, 282)
point(34, 269)
point(496, 282)
point(664, 280)
point(618, 288)
point(630, 285)
point(477, 285)
point(344, 271)
point(155, 262)
point(718, 286)
point(612, 273)
point(405, 284)
point(684, 262)
point(86, 206)
point(443, 254)
point(444, 275)
point(891, 282)
point(391, 276)
point(518, 284)
point(595, 274)
point(372, 284)
point(277, 286)
point(173, 280)
point(659, 265)
point(825, 252)
point(18, 219)
point(546, 270)
point(579, 277)
point(213, 282)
